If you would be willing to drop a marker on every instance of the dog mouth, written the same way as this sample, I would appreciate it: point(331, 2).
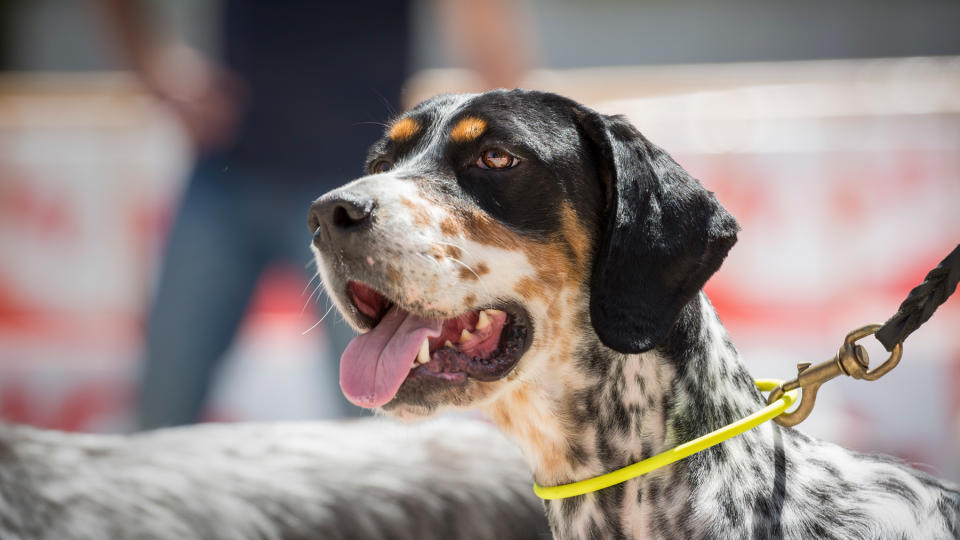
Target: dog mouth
point(483, 344)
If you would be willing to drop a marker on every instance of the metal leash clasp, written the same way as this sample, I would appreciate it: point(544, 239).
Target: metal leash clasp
point(852, 360)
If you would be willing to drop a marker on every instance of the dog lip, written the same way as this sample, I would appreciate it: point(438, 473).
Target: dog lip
point(376, 306)
point(366, 322)
point(518, 326)
point(362, 320)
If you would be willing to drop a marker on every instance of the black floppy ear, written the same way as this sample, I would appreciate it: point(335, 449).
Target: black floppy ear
point(661, 237)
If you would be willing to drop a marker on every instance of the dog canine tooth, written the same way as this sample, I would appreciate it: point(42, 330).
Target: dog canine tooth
point(465, 335)
point(448, 344)
point(492, 312)
point(424, 355)
point(483, 321)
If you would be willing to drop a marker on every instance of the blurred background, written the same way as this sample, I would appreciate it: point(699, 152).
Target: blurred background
point(831, 130)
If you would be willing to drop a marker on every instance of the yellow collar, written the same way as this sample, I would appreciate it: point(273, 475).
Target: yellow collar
point(677, 453)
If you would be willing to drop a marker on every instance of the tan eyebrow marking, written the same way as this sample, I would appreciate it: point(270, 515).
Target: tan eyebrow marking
point(403, 130)
point(468, 129)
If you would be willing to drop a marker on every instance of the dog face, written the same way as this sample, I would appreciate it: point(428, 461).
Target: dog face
point(498, 233)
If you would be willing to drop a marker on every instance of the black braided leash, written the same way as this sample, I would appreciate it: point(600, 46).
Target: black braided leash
point(852, 359)
point(922, 301)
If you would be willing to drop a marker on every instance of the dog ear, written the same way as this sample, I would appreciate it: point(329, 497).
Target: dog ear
point(661, 237)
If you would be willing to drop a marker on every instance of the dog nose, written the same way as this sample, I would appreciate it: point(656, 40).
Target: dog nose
point(339, 216)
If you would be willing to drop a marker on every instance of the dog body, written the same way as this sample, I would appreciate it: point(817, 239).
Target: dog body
point(519, 253)
point(288, 481)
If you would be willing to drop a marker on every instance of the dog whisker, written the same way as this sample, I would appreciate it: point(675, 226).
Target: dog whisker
point(430, 259)
point(318, 322)
point(381, 124)
point(309, 298)
point(319, 288)
point(465, 265)
point(479, 279)
point(461, 248)
point(309, 283)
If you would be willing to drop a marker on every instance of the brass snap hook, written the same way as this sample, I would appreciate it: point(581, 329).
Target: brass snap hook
point(851, 360)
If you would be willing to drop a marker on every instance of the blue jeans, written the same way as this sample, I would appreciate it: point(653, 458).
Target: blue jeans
point(230, 227)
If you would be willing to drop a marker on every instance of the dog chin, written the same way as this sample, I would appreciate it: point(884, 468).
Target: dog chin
point(407, 412)
point(420, 399)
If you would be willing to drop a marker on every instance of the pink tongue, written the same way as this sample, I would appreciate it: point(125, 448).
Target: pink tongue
point(375, 364)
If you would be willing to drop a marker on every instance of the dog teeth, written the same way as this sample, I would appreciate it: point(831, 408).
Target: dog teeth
point(483, 321)
point(465, 335)
point(424, 355)
point(448, 344)
point(492, 312)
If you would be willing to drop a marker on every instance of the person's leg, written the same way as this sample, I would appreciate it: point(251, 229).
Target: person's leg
point(206, 279)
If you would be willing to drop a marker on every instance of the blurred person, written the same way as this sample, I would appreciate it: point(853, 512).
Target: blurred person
point(286, 117)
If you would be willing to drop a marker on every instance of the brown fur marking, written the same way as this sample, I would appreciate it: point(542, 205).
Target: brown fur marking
point(516, 415)
point(473, 273)
point(576, 235)
point(450, 228)
point(393, 275)
point(529, 288)
point(418, 214)
point(420, 218)
point(468, 129)
point(483, 229)
point(403, 130)
point(453, 251)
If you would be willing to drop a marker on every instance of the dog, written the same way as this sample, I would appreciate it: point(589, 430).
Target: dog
point(521, 254)
point(353, 480)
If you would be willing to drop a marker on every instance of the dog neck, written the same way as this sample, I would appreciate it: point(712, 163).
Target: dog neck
point(602, 410)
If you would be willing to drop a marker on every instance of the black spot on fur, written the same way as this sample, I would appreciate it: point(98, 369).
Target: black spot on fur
point(731, 510)
point(610, 503)
point(896, 486)
point(830, 468)
point(949, 507)
point(577, 453)
point(595, 531)
point(654, 488)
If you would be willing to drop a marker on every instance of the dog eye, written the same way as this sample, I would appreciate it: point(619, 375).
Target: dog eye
point(382, 166)
point(494, 158)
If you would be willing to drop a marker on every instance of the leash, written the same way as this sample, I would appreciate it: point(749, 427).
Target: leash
point(852, 360)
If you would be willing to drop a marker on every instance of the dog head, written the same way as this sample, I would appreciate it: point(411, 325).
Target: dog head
point(493, 234)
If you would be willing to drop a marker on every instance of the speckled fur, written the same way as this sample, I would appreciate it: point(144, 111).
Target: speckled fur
point(771, 482)
point(290, 481)
point(576, 406)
